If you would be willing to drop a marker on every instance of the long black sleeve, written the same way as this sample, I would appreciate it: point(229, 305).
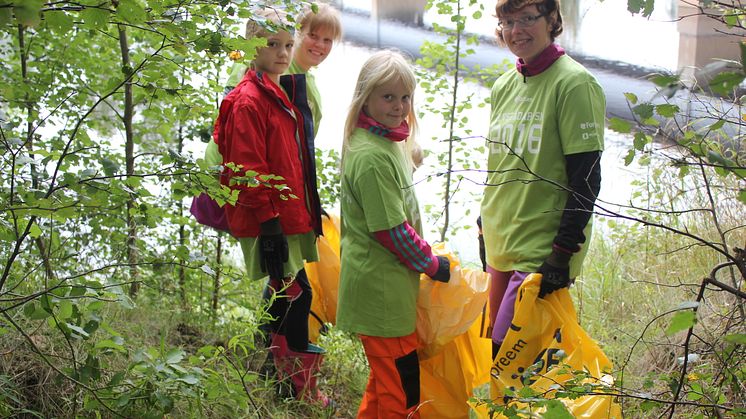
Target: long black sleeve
point(584, 182)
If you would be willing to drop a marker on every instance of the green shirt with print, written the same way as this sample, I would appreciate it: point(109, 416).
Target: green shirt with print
point(377, 293)
point(533, 125)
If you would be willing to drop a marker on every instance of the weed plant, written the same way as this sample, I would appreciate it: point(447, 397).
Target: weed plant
point(636, 277)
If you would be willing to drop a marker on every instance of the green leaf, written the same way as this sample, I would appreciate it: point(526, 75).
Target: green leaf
point(620, 125)
point(116, 379)
point(35, 231)
point(109, 344)
point(28, 12)
point(737, 338)
point(65, 309)
point(725, 82)
point(644, 110)
point(651, 121)
point(665, 80)
point(58, 21)
point(77, 291)
point(556, 410)
point(6, 16)
point(682, 320)
point(731, 19)
point(631, 98)
point(717, 158)
point(666, 110)
point(94, 18)
point(123, 400)
point(189, 379)
point(630, 157)
point(174, 356)
point(648, 405)
point(38, 313)
point(742, 196)
point(692, 396)
point(133, 182)
point(717, 125)
point(79, 330)
point(131, 11)
point(29, 308)
point(640, 141)
point(110, 167)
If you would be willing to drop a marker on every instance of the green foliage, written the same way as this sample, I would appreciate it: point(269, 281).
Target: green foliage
point(327, 169)
point(442, 78)
point(99, 101)
point(681, 321)
point(674, 239)
point(641, 6)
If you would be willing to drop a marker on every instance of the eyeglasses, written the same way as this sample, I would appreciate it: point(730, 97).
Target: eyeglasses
point(522, 22)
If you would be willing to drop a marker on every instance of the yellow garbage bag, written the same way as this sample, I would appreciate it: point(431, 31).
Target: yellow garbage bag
point(324, 278)
point(543, 346)
point(447, 379)
point(446, 310)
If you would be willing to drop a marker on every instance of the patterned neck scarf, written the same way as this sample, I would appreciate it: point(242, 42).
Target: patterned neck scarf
point(371, 125)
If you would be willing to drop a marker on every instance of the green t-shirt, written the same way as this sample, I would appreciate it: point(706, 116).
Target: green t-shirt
point(238, 70)
point(533, 125)
point(377, 293)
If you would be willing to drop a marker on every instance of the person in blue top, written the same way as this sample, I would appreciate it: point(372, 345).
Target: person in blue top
point(545, 142)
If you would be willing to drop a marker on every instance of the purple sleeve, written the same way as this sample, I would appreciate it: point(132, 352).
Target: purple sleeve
point(409, 247)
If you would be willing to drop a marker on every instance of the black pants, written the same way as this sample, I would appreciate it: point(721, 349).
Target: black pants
point(290, 318)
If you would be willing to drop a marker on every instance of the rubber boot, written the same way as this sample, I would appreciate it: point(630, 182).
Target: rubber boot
point(301, 368)
point(278, 351)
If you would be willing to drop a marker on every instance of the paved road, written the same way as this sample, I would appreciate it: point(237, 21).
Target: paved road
point(361, 29)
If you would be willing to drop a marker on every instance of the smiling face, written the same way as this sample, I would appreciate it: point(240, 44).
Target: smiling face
point(314, 47)
point(528, 40)
point(274, 59)
point(389, 104)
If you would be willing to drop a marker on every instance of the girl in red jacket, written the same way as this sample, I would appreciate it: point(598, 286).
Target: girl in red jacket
point(264, 132)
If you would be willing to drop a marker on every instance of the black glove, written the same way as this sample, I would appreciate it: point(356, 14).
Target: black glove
point(555, 272)
point(273, 248)
point(482, 253)
point(443, 274)
point(482, 250)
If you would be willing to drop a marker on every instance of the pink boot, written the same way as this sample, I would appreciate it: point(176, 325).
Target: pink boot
point(301, 368)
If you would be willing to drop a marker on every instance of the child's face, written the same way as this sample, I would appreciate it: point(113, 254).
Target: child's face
point(389, 104)
point(274, 59)
point(314, 47)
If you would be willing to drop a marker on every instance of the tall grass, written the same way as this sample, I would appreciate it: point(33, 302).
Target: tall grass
point(636, 275)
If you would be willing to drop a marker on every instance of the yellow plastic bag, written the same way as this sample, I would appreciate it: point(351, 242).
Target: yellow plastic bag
point(447, 310)
point(544, 337)
point(447, 379)
point(324, 278)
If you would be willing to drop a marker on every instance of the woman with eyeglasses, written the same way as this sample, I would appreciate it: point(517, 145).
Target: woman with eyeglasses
point(545, 142)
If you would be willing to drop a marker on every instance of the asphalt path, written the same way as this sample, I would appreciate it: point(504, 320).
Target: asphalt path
point(615, 78)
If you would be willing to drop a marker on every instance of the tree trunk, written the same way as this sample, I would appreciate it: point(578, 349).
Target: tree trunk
point(129, 156)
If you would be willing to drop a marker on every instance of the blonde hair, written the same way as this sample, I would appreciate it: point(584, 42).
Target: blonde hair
point(382, 67)
point(266, 21)
point(325, 16)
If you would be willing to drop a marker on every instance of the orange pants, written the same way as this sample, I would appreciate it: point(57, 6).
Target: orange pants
point(393, 389)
